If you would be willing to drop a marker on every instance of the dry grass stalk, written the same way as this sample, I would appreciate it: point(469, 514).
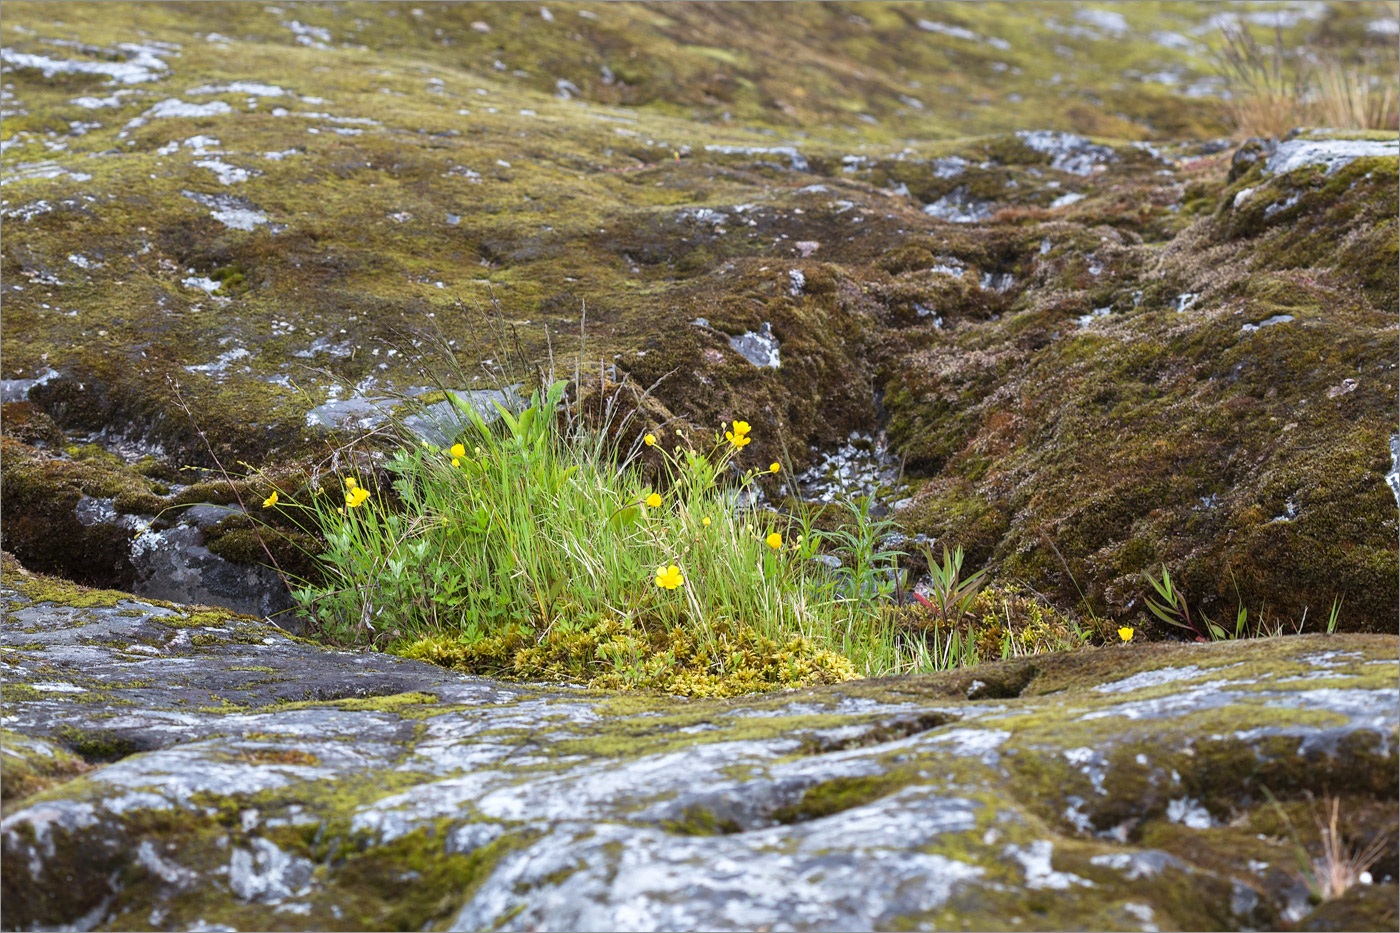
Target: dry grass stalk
point(1340, 865)
point(1347, 98)
point(1267, 93)
point(1271, 95)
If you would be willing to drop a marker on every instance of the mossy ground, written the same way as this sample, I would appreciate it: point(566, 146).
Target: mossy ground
point(576, 173)
point(612, 655)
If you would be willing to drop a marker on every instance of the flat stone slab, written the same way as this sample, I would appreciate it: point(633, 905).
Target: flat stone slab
point(201, 770)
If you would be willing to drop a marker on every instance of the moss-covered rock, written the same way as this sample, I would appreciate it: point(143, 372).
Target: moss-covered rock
point(168, 767)
point(233, 227)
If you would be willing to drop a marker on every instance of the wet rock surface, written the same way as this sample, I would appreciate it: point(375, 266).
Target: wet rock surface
point(170, 768)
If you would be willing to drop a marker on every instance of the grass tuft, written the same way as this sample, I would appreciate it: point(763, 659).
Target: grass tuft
point(529, 546)
point(1272, 91)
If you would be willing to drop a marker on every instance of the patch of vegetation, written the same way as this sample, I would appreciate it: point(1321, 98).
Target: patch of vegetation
point(1274, 90)
point(533, 547)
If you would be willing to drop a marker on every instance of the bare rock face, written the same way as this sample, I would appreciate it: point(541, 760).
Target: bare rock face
point(177, 768)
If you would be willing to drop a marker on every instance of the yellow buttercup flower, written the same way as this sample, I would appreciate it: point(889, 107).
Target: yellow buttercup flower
point(774, 540)
point(705, 521)
point(350, 482)
point(271, 500)
point(650, 440)
point(773, 468)
point(458, 451)
point(456, 462)
point(739, 436)
point(654, 500)
point(1125, 633)
point(356, 497)
point(669, 577)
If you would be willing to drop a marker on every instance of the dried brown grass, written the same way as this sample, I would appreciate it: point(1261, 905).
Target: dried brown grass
point(1348, 98)
point(1273, 91)
point(1340, 866)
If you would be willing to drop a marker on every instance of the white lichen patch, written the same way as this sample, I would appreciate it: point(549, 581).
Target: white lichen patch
point(758, 347)
point(140, 64)
point(1188, 812)
point(1035, 861)
point(1155, 678)
point(1331, 154)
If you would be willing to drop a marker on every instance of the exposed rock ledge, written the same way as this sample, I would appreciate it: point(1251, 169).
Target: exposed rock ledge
point(174, 768)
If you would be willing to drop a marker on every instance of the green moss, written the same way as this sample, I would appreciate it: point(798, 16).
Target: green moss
point(239, 637)
point(242, 540)
point(403, 704)
point(698, 821)
point(95, 745)
point(30, 766)
point(614, 656)
point(837, 795)
point(371, 882)
point(40, 588)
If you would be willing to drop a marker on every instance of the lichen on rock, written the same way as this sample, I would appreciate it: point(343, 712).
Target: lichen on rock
point(155, 778)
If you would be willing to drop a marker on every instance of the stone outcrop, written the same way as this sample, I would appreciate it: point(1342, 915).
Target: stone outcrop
point(177, 768)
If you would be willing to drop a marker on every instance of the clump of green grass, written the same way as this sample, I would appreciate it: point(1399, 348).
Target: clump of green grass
point(559, 542)
point(532, 547)
point(1171, 605)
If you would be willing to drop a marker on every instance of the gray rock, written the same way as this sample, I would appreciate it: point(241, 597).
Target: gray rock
point(796, 160)
point(173, 564)
point(960, 207)
point(1332, 154)
point(759, 348)
point(400, 794)
point(1067, 151)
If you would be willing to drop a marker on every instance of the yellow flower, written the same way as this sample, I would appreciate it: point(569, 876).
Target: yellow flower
point(654, 500)
point(271, 500)
point(669, 577)
point(739, 436)
point(350, 482)
point(356, 497)
point(705, 521)
point(774, 540)
point(1125, 633)
point(650, 440)
point(773, 468)
point(457, 451)
point(456, 462)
